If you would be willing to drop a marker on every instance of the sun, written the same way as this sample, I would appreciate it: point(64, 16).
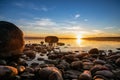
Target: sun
point(79, 36)
point(79, 40)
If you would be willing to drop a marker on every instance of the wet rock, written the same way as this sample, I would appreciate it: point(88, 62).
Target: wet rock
point(40, 59)
point(55, 62)
point(117, 62)
point(27, 76)
point(114, 57)
point(98, 68)
point(34, 64)
point(77, 65)
point(22, 62)
point(46, 65)
point(50, 73)
point(7, 72)
point(52, 56)
point(29, 69)
point(3, 62)
point(100, 77)
point(14, 64)
point(69, 58)
point(21, 69)
point(94, 52)
point(87, 65)
point(105, 73)
point(82, 55)
point(71, 74)
point(31, 54)
point(63, 65)
point(86, 75)
point(12, 42)
point(98, 61)
point(117, 74)
point(41, 54)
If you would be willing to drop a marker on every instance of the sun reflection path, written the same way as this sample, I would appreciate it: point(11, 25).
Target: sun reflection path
point(79, 41)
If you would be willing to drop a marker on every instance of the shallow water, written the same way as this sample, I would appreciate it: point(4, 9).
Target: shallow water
point(77, 45)
point(82, 45)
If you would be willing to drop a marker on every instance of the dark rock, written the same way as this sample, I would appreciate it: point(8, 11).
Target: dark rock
point(77, 65)
point(50, 73)
point(98, 61)
point(82, 55)
point(94, 51)
point(86, 75)
point(29, 69)
point(55, 62)
point(63, 65)
point(7, 72)
point(3, 62)
point(71, 74)
point(52, 56)
point(27, 76)
point(47, 65)
point(22, 62)
point(31, 54)
point(34, 64)
point(87, 65)
point(100, 77)
point(21, 69)
point(40, 59)
point(105, 73)
point(14, 64)
point(41, 54)
point(117, 62)
point(98, 68)
point(12, 42)
point(117, 74)
point(69, 58)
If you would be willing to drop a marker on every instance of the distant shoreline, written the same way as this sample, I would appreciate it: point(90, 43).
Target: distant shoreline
point(89, 38)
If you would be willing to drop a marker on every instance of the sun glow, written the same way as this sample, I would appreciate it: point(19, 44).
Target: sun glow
point(78, 40)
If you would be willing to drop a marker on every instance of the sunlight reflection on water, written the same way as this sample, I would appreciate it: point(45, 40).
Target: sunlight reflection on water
point(80, 44)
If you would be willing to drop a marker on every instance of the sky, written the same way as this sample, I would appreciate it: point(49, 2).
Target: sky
point(63, 18)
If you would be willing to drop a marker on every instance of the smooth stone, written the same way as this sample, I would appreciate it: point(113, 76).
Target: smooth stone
point(50, 73)
point(86, 75)
point(98, 68)
point(40, 59)
point(55, 62)
point(87, 65)
point(3, 62)
point(71, 74)
point(63, 65)
point(46, 65)
point(8, 71)
point(31, 54)
point(27, 76)
point(93, 51)
point(105, 73)
point(77, 65)
point(12, 42)
point(117, 62)
point(21, 69)
point(98, 61)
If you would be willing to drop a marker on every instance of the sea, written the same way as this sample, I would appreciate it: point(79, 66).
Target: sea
point(82, 44)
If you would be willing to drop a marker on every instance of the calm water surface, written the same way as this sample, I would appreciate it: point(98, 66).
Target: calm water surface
point(82, 45)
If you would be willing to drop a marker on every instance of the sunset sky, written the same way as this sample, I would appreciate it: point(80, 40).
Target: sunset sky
point(63, 18)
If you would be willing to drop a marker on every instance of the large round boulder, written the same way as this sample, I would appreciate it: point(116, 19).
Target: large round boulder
point(50, 73)
point(11, 40)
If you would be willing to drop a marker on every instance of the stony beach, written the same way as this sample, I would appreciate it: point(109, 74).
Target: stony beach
point(40, 62)
point(20, 61)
